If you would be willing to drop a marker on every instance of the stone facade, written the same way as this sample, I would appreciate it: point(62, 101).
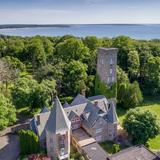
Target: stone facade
point(106, 65)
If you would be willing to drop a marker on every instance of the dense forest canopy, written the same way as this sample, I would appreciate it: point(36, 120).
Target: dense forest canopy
point(32, 69)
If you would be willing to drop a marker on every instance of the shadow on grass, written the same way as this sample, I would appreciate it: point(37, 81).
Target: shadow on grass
point(150, 100)
point(107, 146)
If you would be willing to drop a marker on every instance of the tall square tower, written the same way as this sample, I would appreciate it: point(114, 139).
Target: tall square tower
point(106, 65)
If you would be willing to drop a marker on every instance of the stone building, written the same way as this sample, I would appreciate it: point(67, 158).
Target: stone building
point(106, 65)
point(94, 116)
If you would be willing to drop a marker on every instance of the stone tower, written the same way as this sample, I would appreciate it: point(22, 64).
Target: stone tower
point(106, 65)
point(58, 133)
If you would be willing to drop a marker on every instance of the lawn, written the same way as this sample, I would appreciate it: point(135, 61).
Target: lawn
point(107, 146)
point(153, 105)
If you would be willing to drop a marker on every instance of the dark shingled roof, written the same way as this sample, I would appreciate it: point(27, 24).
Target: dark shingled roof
point(96, 97)
point(65, 105)
point(58, 120)
point(32, 125)
point(79, 99)
point(135, 153)
point(95, 152)
point(112, 115)
point(44, 110)
point(91, 114)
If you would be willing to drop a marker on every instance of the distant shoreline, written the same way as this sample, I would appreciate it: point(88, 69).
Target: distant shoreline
point(12, 26)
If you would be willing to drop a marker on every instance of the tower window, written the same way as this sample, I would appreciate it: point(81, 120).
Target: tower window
point(110, 71)
point(102, 61)
point(108, 80)
point(62, 151)
point(111, 61)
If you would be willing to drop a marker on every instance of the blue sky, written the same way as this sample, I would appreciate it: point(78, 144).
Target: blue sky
point(79, 11)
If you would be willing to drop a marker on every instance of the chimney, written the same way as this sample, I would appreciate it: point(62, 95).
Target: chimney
point(96, 103)
point(83, 92)
point(38, 119)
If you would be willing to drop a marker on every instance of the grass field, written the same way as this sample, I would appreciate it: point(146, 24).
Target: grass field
point(153, 105)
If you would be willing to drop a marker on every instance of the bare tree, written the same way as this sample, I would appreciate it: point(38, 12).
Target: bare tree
point(7, 74)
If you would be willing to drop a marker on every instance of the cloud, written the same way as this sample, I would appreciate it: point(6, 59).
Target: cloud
point(31, 15)
point(91, 2)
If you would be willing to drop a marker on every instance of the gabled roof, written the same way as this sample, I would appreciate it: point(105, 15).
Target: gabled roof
point(92, 113)
point(44, 110)
point(58, 119)
point(93, 98)
point(65, 105)
point(71, 115)
point(89, 107)
point(40, 126)
point(79, 99)
point(112, 115)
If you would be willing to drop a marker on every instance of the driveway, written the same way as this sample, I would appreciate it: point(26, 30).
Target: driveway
point(9, 147)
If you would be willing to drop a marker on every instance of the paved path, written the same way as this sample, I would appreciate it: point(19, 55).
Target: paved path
point(9, 147)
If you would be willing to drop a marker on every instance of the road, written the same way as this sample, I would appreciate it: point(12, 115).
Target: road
point(9, 147)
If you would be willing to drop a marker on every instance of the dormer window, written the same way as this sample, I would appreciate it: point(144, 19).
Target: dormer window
point(110, 70)
point(102, 61)
point(111, 61)
point(62, 151)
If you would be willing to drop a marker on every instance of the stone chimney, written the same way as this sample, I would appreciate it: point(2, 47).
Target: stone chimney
point(96, 103)
point(38, 119)
point(83, 92)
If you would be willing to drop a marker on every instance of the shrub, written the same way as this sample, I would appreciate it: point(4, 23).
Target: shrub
point(29, 143)
point(141, 125)
point(115, 148)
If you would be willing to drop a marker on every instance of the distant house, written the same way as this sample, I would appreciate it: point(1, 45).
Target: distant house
point(135, 153)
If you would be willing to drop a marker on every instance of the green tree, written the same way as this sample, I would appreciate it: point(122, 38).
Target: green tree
point(7, 74)
point(15, 63)
point(72, 49)
point(2, 47)
point(102, 88)
point(124, 44)
point(122, 76)
point(75, 77)
point(144, 54)
point(14, 47)
point(48, 48)
point(7, 112)
point(129, 95)
point(36, 53)
point(29, 142)
point(133, 64)
point(153, 80)
point(141, 125)
point(92, 42)
point(28, 92)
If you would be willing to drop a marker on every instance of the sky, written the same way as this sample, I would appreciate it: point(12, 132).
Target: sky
point(79, 11)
